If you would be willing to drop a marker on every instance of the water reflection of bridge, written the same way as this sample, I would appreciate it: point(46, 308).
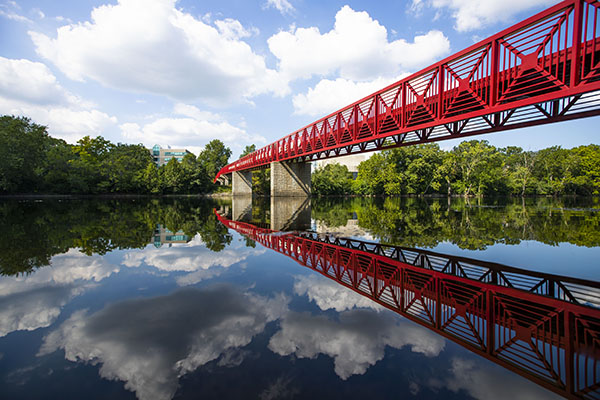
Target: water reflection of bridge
point(280, 214)
point(543, 327)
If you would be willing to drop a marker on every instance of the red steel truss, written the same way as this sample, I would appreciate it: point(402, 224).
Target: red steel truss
point(542, 70)
point(532, 323)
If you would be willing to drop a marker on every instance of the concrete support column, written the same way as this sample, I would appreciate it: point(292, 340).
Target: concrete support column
point(242, 183)
point(290, 179)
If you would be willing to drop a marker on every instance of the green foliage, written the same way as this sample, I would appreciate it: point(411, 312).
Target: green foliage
point(22, 145)
point(214, 157)
point(475, 168)
point(31, 161)
point(332, 179)
point(372, 175)
point(171, 176)
point(248, 150)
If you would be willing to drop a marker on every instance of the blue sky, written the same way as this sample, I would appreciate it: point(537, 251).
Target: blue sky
point(181, 73)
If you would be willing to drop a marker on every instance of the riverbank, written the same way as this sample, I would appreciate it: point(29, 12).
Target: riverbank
point(220, 195)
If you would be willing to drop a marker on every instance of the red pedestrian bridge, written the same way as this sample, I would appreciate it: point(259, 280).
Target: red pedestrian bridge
point(543, 70)
point(543, 327)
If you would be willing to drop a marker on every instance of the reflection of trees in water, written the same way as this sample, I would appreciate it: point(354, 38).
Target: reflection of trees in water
point(33, 232)
point(468, 223)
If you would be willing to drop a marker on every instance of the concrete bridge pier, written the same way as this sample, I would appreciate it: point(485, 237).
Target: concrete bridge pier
point(242, 183)
point(290, 179)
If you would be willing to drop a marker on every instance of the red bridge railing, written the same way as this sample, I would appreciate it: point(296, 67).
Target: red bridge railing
point(543, 327)
point(544, 69)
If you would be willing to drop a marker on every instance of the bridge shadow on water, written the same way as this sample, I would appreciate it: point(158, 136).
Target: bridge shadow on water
point(544, 327)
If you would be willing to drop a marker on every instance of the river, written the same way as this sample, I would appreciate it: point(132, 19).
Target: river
point(280, 299)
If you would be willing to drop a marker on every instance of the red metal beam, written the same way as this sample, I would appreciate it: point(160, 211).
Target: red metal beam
point(506, 81)
point(531, 323)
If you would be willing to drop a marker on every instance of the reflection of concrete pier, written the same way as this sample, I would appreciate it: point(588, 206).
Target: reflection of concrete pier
point(281, 213)
point(290, 213)
point(242, 208)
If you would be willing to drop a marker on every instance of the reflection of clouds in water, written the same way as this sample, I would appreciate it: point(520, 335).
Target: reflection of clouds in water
point(356, 341)
point(33, 309)
point(192, 257)
point(281, 388)
point(149, 343)
point(489, 381)
point(328, 294)
point(34, 301)
point(64, 269)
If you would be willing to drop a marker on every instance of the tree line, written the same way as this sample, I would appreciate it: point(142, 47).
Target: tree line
point(473, 168)
point(31, 161)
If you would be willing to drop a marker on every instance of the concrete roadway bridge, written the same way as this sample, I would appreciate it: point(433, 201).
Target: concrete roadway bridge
point(543, 327)
point(545, 69)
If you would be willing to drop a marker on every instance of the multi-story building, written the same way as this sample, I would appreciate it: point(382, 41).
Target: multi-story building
point(162, 156)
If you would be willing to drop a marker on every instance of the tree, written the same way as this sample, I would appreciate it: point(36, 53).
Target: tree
point(171, 176)
point(585, 176)
point(124, 167)
point(22, 144)
point(214, 157)
point(416, 166)
point(88, 174)
point(151, 178)
point(56, 166)
point(371, 175)
point(551, 169)
point(475, 162)
point(332, 179)
point(248, 150)
point(519, 166)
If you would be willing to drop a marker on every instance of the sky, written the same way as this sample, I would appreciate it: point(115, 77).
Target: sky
point(181, 73)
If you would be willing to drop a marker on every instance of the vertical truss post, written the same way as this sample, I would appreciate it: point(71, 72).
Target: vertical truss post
point(376, 114)
point(495, 71)
point(490, 321)
point(440, 91)
point(575, 56)
point(403, 106)
point(375, 281)
point(355, 110)
point(569, 356)
point(438, 302)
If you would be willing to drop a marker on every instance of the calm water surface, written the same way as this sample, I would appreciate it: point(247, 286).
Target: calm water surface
point(158, 299)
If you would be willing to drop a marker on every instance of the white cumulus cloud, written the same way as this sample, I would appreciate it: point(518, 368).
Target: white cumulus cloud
point(29, 88)
point(356, 48)
point(283, 6)
point(191, 128)
point(475, 14)
point(330, 95)
point(153, 47)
